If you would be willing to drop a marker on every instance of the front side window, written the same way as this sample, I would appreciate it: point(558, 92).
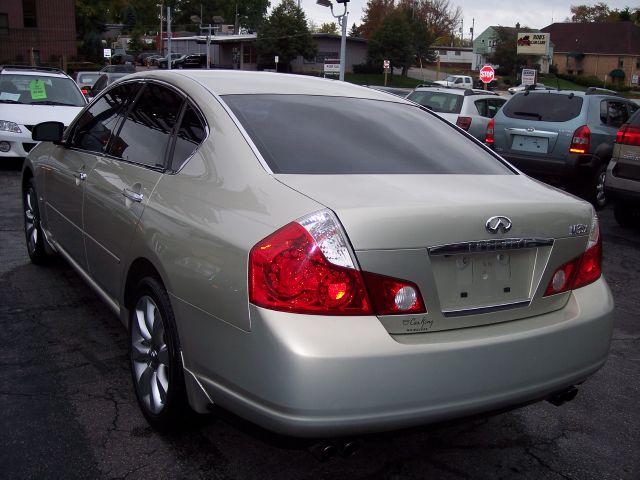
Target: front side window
point(314, 134)
point(96, 125)
point(443, 102)
point(145, 134)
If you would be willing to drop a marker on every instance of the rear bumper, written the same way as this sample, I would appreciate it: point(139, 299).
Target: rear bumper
point(314, 376)
point(562, 169)
point(622, 190)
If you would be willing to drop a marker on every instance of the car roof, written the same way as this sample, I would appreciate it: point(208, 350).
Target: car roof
point(230, 82)
point(36, 71)
point(467, 92)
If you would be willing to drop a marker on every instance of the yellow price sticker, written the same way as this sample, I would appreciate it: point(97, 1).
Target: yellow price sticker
point(38, 92)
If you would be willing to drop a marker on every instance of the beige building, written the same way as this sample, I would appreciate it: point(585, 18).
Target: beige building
point(609, 51)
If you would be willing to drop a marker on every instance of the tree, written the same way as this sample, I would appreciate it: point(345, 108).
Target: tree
point(331, 27)
point(356, 31)
point(599, 12)
point(375, 11)
point(392, 41)
point(285, 33)
point(129, 19)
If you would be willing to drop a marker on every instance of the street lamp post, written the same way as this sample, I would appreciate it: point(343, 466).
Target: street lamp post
point(195, 18)
point(342, 21)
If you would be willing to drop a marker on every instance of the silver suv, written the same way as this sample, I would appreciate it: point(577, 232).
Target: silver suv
point(564, 137)
point(622, 183)
point(469, 109)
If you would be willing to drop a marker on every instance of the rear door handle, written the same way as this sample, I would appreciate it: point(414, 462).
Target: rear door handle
point(133, 196)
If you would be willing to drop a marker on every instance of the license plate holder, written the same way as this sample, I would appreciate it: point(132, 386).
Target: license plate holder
point(530, 144)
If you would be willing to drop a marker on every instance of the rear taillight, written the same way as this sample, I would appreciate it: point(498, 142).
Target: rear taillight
point(580, 271)
point(581, 140)
point(488, 138)
point(628, 135)
point(306, 267)
point(464, 122)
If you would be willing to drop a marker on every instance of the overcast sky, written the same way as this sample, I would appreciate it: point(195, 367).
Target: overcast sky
point(533, 13)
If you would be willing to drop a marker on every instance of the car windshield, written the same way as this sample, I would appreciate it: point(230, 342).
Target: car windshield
point(450, 79)
point(438, 101)
point(40, 90)
point(304, 134)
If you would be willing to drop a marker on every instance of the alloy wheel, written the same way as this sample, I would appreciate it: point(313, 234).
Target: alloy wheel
point(150, 355)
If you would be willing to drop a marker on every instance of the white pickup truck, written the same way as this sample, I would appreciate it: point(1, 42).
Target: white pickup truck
point(456, 81)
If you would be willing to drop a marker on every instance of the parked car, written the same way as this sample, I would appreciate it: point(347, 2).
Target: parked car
point(196, 60)
point(622, 182)
point(522, 87)
point(30, 95)
point(143, 56)
point(163, 62)
point(563, 137)
point(456, 81)
point(153, 60)
point(471, 110)
point(401, 275)
point(480, 85)
point(103, 82)
point(128, 68)
point(400, 92)
point(122, 59)
point(86, 80)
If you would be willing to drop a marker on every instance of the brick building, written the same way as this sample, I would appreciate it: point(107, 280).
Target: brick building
point(37, 31)
point(609, 51)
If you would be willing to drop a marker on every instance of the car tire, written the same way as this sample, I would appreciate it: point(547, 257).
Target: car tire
point(156, 364)
point(627, 216)
point(35, 240)
point(592, 188)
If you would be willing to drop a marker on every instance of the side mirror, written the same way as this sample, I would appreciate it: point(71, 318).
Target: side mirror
point(48, 132)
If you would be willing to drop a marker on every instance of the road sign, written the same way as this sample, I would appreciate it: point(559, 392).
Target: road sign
point(107, 53)
point(331, 66)
point(386, 64)
point(487, 74)
point(528, 76)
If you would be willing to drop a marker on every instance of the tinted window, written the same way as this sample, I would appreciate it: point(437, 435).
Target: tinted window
point(190, 134)
point(635, 120)
point(613, 114)
point(493, 105)
point(93, 130)
point(336, 135)
point(545, 107)
point(145, 134)
point(438, 101)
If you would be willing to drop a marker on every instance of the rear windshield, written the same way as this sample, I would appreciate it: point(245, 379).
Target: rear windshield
point(336, 135)
point(544, 107)
point(438, 101)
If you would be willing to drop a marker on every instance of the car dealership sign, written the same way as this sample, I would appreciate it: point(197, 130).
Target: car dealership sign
point(530, 43)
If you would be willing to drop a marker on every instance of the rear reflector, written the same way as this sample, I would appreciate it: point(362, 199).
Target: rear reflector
point(464, 122)
point(306, 267)
point(582, 270)
point(488, 138)
point(581, 140)
point(628, 135)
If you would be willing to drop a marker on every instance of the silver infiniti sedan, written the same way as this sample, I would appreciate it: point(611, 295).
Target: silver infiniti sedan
point(320, 258)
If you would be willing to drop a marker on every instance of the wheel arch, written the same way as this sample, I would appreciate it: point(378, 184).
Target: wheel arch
point(140, 268)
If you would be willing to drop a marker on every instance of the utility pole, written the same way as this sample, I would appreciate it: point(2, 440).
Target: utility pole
point(161, 42)
point(168, 38)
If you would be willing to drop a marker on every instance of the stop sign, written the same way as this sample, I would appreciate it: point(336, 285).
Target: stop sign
point(487, 74)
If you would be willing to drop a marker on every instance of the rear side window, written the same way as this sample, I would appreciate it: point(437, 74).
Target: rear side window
point(190, 135)
point(544, 107)
point(438, 101)
point(306, 134)
point(613, 113)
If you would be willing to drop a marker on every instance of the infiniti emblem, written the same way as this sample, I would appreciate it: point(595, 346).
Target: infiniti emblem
point(530, 129)
point(496, 224)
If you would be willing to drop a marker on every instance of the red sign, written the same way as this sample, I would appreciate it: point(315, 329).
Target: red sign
point(487, 74)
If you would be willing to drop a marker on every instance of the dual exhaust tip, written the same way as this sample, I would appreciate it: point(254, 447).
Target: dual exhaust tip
point(325, 450)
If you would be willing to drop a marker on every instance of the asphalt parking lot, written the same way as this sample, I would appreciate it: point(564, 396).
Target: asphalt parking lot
point(67, 407)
